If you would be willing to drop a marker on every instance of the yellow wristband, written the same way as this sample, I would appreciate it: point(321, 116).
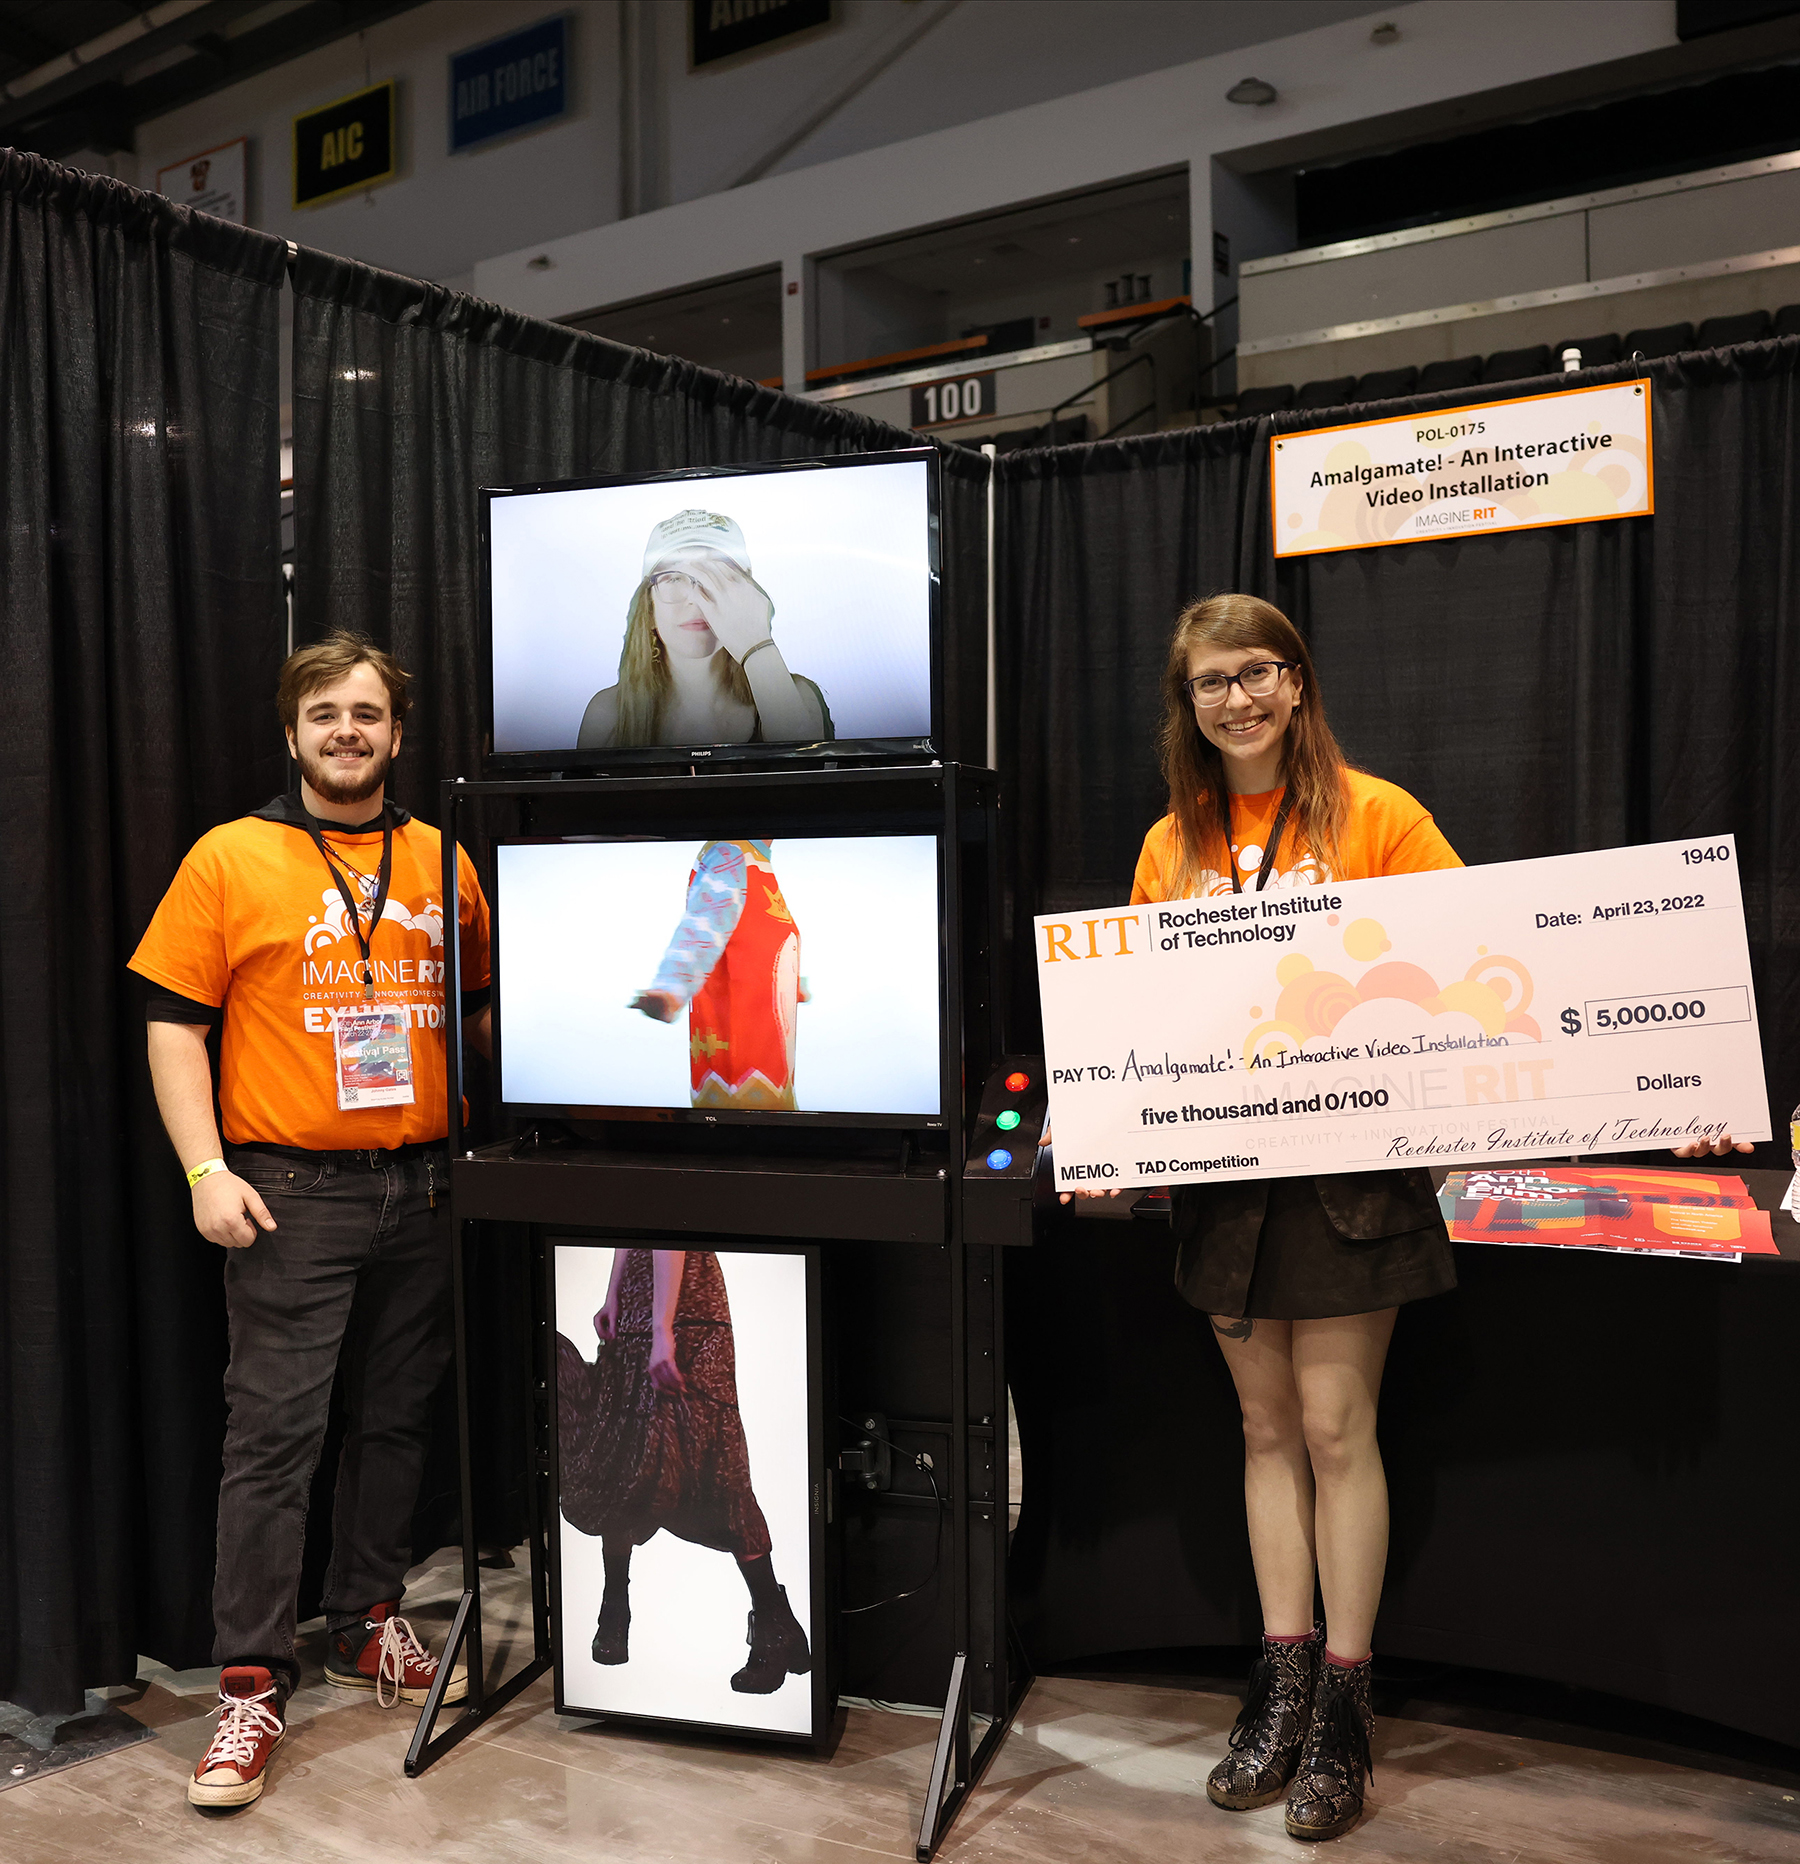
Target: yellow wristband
point(204, 1169)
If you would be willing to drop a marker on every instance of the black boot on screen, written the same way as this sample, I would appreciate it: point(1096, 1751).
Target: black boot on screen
point(778, 1648)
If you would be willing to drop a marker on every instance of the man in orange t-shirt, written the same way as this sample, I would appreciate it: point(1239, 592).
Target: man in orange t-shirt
point(311, 934)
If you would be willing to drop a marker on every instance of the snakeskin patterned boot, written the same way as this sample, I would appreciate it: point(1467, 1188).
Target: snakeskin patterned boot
point(1334, 1768)
point(1271, 1728)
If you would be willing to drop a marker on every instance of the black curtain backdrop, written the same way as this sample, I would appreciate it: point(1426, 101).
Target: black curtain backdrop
point(140, 633)
point(1577, 687)
point(408, 398)
point(1562, 1434)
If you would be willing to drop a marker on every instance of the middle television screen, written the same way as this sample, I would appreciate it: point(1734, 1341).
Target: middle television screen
point(795, 975)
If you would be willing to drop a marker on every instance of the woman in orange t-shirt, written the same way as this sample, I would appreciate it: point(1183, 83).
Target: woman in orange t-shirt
point(1301, 1277)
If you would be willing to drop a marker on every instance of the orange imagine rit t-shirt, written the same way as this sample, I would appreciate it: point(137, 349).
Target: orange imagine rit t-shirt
point(1388, 832)
point(253, 924)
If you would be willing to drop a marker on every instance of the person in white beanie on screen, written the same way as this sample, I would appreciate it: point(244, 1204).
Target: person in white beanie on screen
point(700, 664)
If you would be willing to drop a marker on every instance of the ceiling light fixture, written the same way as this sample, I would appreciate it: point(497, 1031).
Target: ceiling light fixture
point(1384, 34)
point(1251, 91)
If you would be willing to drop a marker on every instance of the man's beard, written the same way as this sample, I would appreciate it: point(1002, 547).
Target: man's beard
point(338, 785)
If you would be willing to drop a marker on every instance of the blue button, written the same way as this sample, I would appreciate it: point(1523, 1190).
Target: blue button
point(999, 1159)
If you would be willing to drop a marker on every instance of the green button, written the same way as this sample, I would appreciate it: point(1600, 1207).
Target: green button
point(1007, 1121)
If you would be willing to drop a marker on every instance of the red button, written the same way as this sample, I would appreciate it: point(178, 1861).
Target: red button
point(1017, 1083)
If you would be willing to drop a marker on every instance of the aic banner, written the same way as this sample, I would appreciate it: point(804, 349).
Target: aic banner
point(1562, 458)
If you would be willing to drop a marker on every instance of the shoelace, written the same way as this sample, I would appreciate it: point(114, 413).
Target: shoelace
point(243, 1721)
point(399, 1647)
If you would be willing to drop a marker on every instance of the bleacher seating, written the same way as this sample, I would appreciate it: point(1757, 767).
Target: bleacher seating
point(1458, 372)
point(1386, 384)
point(1596, 352)
point(1265, 400)
point(1071, 431)
point(1520, 364)
point(1333, 392)
point(1512, 365)
point(1722, 332)
point(1664, 340)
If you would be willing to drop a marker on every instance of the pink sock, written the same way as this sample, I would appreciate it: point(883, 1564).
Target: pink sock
point(1301, 1639)
point(1343, 1663)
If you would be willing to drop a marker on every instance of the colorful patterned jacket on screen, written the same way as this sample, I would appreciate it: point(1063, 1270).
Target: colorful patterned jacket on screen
point(735, 961)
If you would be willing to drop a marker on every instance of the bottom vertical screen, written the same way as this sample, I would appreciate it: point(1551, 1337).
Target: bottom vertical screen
point(687, 1440)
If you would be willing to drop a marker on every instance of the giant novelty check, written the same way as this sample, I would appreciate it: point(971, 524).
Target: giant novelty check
point(1532, 1009)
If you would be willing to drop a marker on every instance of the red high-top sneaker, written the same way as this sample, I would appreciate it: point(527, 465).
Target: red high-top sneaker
point(232, 1770)
point(381, 1653)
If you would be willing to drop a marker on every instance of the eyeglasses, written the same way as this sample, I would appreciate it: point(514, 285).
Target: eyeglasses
point(1258, 679)
point(673, 584)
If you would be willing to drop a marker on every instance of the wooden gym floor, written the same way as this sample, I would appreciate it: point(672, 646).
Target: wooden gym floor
point(1097, 1770)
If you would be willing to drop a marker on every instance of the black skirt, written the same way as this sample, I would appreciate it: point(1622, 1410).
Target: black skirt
point(1311, 1248)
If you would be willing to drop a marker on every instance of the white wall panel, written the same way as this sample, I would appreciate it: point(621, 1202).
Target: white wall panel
point(1756, 214)
point(1535, 255)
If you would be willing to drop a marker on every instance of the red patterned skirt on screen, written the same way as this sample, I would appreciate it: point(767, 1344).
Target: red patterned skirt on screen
point(633, 1459)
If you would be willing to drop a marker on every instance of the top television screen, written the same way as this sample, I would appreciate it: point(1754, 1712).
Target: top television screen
point(787, 607)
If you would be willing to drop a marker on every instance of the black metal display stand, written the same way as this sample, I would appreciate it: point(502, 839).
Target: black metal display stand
point(937, 1201)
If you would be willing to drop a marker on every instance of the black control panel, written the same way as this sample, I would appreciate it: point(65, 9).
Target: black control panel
point(1000, 1172)
point(1010, 1121)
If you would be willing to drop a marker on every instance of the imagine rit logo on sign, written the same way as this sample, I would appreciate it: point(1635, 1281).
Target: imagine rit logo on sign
point(344, 146)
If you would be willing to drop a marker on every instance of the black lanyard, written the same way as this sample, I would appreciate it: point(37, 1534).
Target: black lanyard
point(343, 887)
point(1269, 853)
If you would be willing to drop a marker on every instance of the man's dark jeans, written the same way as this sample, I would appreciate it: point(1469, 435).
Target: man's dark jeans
point(355, 1275)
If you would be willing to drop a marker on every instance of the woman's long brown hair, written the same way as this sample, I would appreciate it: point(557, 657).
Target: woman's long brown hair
point(1312, 764)
point(644, 682)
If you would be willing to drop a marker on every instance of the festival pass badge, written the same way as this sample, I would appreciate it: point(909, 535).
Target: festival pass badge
point(374, 1055)
point(1587, 1003)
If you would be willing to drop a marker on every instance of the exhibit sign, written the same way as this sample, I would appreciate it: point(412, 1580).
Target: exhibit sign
point(689, 1470)
point(212, 182)
point(723, 27)
point(1567, 457)
point(1585, 1003)
point(344, 146)
point(511, 83)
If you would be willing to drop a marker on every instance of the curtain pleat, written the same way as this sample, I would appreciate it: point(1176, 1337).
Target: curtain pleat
point(140, 631)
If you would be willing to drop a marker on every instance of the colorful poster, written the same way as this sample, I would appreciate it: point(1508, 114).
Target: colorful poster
point(1672, 1213)
point(1564, 458)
